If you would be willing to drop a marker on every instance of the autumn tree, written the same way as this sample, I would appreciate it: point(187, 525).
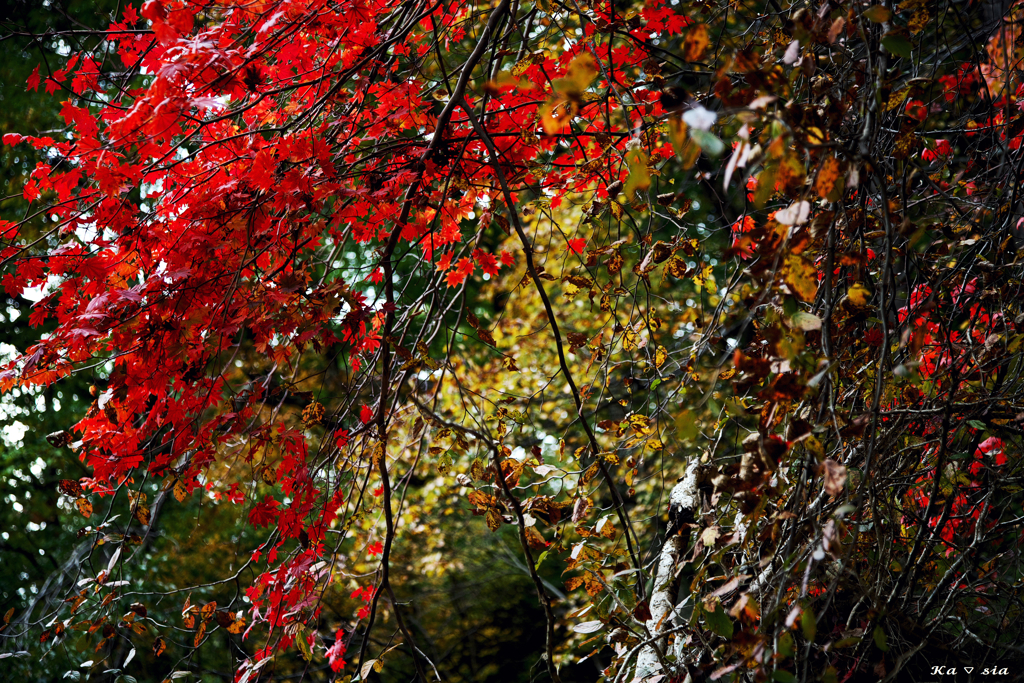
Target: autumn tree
point(629, 341)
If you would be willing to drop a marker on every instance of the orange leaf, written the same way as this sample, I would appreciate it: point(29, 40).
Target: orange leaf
point(696, 42)
point(829, 179)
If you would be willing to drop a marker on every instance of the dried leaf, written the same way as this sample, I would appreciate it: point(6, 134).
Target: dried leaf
point(834, 476)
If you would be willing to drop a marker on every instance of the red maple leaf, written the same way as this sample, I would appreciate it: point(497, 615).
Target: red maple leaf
point(463, 269)
point(487, 262)
point(264, 513)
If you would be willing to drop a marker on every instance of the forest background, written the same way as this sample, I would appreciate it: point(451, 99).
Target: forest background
point(501, 341)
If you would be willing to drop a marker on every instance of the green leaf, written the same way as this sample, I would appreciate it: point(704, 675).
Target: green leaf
point(977, 424)
point(709, 142)
point(686, 424)
point(849, 641)
point(809, 624)
point(303, 645)
point(786, 645)
point(719, 622)
point(783, 676)
point(540, 559)
point(898, 45)
point(880, 639)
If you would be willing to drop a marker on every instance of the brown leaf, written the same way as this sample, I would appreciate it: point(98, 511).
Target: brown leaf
point(579, 509)
point(493, 519)
point(70, 487)
point(58, 439)
point(485, 336)
point(834, 476)
point(837, 27)
point(534, 539)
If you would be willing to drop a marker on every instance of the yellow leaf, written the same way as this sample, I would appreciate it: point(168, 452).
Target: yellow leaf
point(639, 177)
point(580, 74)
point(522, 65)
point(631, 340)
point(180, 492)
point(237, 626)
point(858, 295)
point(814, 447)
point(801, 277)
point(640, 424)
point(695, 43)
point(765, 184)
point(687, 150)
point(569, 291)
point(704, 276)
point(660, 356)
